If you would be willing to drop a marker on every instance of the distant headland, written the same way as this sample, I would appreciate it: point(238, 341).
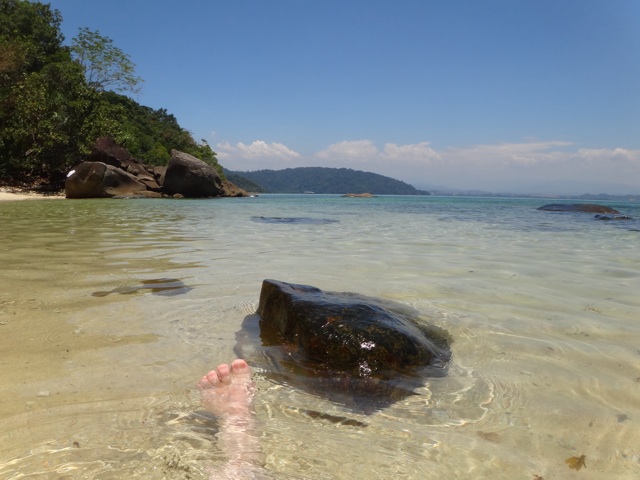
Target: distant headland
point(320, 180)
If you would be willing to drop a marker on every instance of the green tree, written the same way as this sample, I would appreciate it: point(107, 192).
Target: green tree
point(55, 101)
point(105, 65)
point(31, 32)
point(40, 88)
point(46, 113)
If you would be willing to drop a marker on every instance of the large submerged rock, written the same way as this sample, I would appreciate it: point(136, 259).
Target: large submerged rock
point(359, 351)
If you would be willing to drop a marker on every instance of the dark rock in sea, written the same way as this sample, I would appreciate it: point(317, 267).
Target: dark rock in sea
point(359, 351)
point(190, 177)
point(612, 217)
point(578, 207)
point(307, 220)
point(358, 195)
point(99, 180)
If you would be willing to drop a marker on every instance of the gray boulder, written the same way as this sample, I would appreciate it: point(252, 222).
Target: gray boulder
point(190, 177)
point(99, 180)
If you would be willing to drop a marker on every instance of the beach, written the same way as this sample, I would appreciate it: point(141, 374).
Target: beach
point(15, 194)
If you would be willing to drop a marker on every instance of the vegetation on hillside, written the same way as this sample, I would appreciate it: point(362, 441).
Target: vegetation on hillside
point(55, 100)
point(325, 180)
point(247, 185)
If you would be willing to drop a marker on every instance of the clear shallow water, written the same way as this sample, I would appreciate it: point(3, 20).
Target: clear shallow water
point(543, 308)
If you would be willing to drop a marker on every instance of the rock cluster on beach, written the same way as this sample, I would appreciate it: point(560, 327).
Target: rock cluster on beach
point(110, 171)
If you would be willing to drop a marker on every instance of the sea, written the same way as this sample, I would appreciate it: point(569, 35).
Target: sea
point(112, 310)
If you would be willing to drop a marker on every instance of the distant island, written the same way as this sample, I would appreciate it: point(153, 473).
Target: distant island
point(320, 180)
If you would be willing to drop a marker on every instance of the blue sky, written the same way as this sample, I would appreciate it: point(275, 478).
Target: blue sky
point(501, 95)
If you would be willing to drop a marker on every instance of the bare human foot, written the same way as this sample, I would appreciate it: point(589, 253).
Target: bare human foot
point(227, 392)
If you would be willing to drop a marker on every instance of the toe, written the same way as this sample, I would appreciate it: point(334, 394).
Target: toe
point(210, 380)
point(224, 373)
point(240, 367)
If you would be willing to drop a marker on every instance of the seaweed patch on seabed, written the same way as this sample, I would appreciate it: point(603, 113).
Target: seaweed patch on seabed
point(158, 286)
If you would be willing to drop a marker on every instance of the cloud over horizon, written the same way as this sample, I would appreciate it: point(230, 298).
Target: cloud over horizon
point(239, 155)
point(524, 167)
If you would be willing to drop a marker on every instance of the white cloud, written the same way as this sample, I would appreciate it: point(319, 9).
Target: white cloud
point(360, 151)
point(257, 149)
point(412, 153)
point(511, 167)
point(504, 154)
point(256, 155)
point(365, 151)
point(544, 154)
point(621, 157)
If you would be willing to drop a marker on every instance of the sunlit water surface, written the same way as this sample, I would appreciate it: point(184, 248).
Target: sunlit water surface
point(97, 370)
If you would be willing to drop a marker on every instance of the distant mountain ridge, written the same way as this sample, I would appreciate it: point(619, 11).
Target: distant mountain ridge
point(321, 180)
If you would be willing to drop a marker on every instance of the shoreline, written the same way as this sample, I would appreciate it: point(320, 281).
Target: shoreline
point(16, 194)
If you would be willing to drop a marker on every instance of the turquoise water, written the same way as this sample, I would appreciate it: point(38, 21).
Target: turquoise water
point(542, 306)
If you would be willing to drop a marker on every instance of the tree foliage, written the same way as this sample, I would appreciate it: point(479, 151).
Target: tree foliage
point(243, 182)
point(151, 134)
point(105, 65)
point(31, 32)
point(39, 87)
point(54, 104)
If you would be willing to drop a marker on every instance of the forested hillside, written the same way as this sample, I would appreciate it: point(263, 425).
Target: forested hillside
point(56, 100)
point(243, 182)
point(325, 180)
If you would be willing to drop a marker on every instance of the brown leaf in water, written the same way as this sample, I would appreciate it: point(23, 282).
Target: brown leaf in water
point(538, 477)
point(490, 436)
point(622, 417)
point(576, 463)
